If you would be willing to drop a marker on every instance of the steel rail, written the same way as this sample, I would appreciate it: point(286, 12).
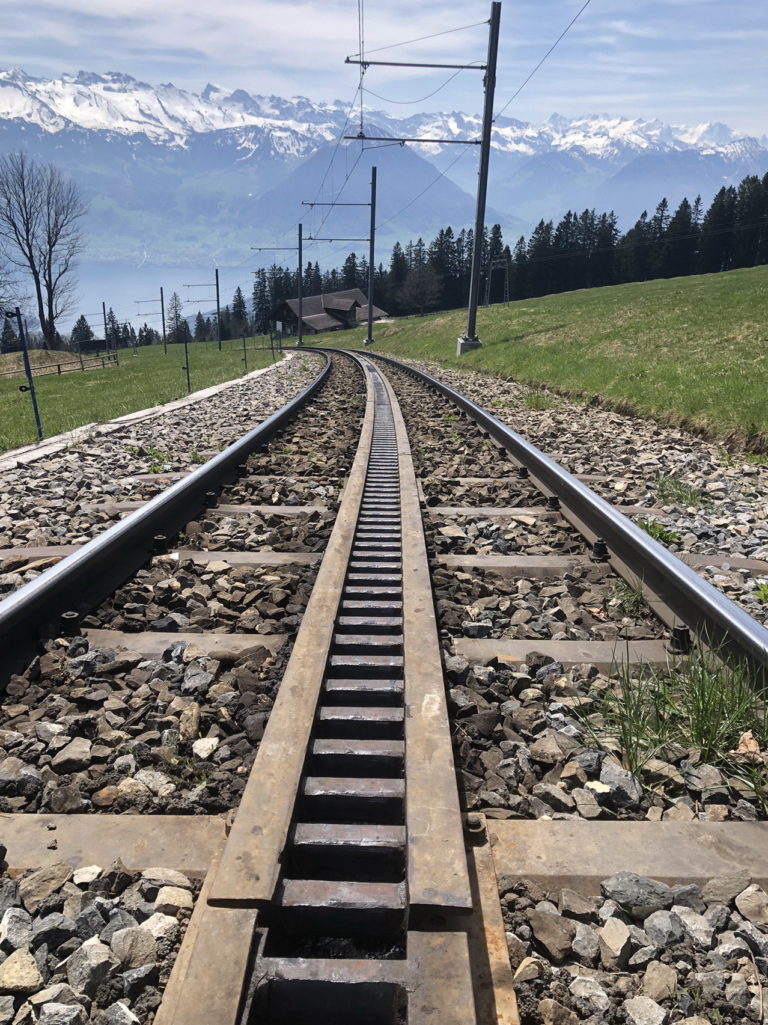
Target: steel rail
point(712, 616)
point(88, 575)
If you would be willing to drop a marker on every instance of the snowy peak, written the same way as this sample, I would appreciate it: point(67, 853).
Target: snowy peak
point(117, 103)
point(114, 102)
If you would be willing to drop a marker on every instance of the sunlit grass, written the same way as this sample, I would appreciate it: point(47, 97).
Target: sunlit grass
point(145, 379)
point(692, 351)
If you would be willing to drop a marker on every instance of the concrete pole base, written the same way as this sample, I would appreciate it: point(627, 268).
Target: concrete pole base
point(464, 344)
point(368, 341)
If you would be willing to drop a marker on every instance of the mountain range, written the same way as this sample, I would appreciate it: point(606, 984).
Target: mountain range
point(178, 180)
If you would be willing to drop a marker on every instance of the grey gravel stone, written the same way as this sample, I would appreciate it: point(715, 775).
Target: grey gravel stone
point(637, 894)
point(625, 789)
point(585, 946)
point(590, 994)
point(15, 930)
point(664, 928)
point(644, 1011)
point(700, 930)
point(89, 966)
point(615, 945)
point(63, 1014)
point(134, 947)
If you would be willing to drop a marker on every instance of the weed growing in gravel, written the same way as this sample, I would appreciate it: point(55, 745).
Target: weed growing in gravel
point(195, 457)
point(539, 399)
point(672, 489)
point(758, 458)
point(629, 598)
point(699, 703)
point(658, 531)
point(761, 592)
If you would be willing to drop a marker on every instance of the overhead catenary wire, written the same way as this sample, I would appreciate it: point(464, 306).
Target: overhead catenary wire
point(562, 35)
point(434, 181)
point(421, 99)
point(421, 39)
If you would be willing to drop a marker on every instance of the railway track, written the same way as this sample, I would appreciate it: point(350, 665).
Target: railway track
point(349, 886)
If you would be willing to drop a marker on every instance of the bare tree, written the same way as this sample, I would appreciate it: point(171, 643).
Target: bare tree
point(40, 211)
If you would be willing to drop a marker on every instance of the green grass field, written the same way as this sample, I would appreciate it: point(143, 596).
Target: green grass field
point(690, 351)
point(140, 381)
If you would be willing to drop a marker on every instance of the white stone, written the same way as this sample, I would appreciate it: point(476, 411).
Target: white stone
point(161, 926)
point(592, 992)
point(171, 899)
point(644, 1011)
point(205, 746)
point(86, 875)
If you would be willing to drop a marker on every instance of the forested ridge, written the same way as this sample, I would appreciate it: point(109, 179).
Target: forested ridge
point(583, 250)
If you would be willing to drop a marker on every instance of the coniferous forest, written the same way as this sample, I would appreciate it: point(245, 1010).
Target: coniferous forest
point(583, 250)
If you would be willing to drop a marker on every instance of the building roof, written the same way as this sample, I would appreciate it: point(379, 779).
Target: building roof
point(318, 310)
point(321, 322)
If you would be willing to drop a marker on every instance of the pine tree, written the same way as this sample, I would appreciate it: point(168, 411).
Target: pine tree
point(226, 324)
point(421, 290)
point(81, 335)
point(681, 243)
point(717, 232)
point(398, 272)
point(175, 319)
point(261, 304)
point(200, 334)
point(239, 324)
point(349, 272)
point(8, 340)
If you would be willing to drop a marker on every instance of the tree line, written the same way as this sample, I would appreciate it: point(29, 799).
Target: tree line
point(581, 250)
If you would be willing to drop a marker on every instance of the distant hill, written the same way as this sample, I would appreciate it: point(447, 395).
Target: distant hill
point(178, 180)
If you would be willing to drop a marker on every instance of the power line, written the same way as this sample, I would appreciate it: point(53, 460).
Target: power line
point(434, 181)
point(565, 31)
point(420, 39)
point(341, 190)
point(421, 99)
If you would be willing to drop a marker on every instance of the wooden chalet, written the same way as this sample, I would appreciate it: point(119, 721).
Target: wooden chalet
point(334, 311)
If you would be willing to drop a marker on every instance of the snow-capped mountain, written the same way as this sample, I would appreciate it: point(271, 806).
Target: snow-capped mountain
point(180, 179)
point(115, 102)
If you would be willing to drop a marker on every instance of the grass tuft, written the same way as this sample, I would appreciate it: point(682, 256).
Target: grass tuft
point(537, 398)
point(699, 703)
point(629, 598)
point(673, 490)
point(658, 531)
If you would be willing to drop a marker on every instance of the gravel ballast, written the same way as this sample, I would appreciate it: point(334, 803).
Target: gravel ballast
point(40, 502)
point(639, 953)
point(90, 944)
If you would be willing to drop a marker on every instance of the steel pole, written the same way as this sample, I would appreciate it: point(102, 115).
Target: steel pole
point(371, 257)
point(104, 312)
point(470, 339)
point(28, 371)
point(186, 353)
point(300, 328)
point(218, 311)
point(162, 314)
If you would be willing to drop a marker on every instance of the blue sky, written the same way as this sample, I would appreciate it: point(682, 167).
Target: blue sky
point(684, 61)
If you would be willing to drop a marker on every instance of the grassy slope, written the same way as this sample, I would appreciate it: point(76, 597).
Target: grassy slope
point(140, 381)
point(691, 350)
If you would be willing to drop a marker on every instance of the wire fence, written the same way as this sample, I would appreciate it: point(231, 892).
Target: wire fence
point(82, 363)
